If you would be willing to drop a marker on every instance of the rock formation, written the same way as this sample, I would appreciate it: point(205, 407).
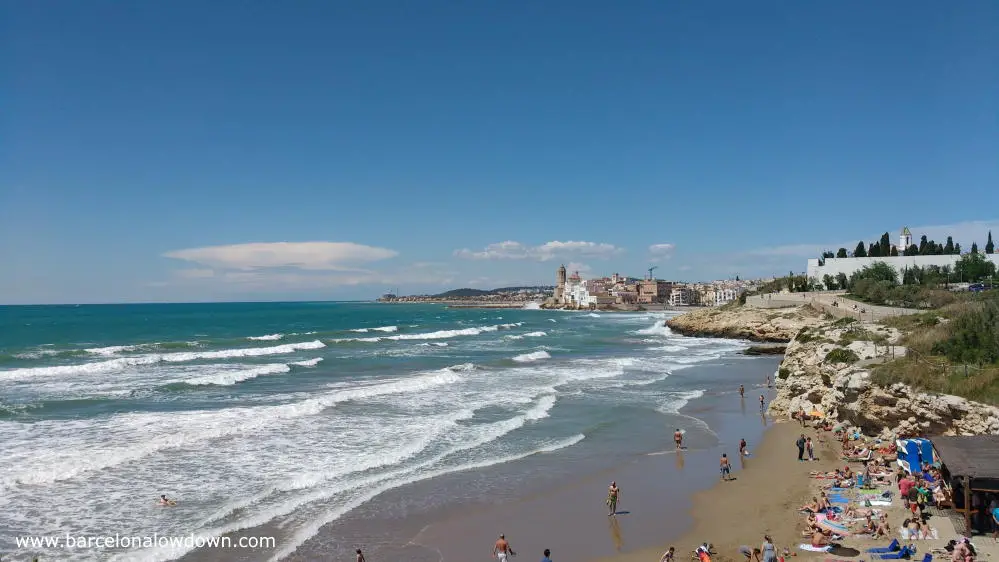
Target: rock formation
point(746, 323)
point(808, 380)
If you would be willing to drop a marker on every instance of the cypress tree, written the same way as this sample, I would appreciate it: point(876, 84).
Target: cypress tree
point(989, 246)
point(949, 246)
point(860, 252)
point(841, 253)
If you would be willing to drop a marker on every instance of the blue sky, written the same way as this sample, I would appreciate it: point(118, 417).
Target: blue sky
point(179, 151)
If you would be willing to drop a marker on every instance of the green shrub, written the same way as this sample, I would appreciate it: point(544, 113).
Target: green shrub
point(974, 336)
point(845, 321)
point(783, 373)
point(841, 355)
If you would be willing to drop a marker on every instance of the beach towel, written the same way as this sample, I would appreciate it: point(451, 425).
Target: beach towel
point(811, 548)
point(892, 547)
point(878, 502)
point(905, 552)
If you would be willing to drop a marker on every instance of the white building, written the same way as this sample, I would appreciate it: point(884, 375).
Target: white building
point(725, 295)
point(682, 296)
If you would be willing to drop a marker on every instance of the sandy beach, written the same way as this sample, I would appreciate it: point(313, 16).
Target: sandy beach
point(762, 499)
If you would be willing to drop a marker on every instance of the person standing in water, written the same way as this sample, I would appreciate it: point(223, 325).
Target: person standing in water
point(360, 556)
point(726, 468)
point(613, 494)
point(768, 381)
point(742, 391)
point(763, 401)
point(678, 438)
point(742, 447)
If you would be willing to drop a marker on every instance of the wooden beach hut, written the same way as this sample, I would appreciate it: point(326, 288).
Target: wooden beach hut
point(973, 462)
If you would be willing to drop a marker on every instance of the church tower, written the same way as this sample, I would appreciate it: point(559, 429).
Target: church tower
point(560, 284)
point(904, 240)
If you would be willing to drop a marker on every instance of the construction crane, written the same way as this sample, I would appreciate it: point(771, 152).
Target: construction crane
point(651, 269)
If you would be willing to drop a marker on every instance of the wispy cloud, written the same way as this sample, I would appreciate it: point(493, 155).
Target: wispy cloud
point(659, 252)
point(511, 250)
point(576, 266)
point(328, 256)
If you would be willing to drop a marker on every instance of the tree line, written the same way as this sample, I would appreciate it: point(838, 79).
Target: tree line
point(884, 248)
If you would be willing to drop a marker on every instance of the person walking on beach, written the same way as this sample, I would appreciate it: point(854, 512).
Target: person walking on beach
point(502, 549)
point(613, 494)
point(763, 401)
point(808, 447)
point(548, 556)
point(768, 550)
point(726, 468)
point(742, 448)
point(678, 438)
point(801, 447)
point(360, 556)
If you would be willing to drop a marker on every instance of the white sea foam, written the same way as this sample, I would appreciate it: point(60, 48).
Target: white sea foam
point(552, 320)
point(674, 401)
point(434, 344)
point(531, 306)
point(380, 329)
point(308, 362)
point(438, 335)
point(533, 356)
point(657, 329)
point(126, 362)
point(268, 337)
point(226, 378)
point(112, 349)
point(593, 315)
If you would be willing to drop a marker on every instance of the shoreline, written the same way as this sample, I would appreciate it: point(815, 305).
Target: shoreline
point(762, 499)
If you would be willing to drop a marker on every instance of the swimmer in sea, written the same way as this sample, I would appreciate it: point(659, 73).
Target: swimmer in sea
point(678, 438)
point(167, 502)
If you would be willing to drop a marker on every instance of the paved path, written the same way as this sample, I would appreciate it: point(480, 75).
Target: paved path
point(825, 300)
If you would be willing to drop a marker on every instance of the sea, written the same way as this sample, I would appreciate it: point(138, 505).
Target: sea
point(292, 418)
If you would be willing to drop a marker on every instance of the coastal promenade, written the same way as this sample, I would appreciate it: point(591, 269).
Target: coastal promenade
point(824, 300)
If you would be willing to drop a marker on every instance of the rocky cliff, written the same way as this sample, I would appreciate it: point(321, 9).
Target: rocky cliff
point(839, 385)
point(746, 323)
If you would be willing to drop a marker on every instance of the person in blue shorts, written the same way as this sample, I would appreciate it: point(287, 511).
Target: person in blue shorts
point(548, 556)
point(726, 468)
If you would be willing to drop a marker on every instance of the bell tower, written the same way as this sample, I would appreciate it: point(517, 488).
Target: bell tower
point(560, 284)
point(904, 239)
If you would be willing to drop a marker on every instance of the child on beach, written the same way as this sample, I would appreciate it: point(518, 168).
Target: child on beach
point(668, 555)
point(726, 468)
point(808, 447)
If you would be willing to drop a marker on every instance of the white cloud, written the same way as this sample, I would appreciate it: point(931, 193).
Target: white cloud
point(511, 250)
point(328, 256)
point(576, 266)
point(659, 252)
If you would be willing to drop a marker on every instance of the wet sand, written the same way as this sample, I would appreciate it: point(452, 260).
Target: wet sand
point(763, 499)
point(656, 498)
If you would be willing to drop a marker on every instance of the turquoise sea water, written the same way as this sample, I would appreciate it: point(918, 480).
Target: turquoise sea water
point(290, 415)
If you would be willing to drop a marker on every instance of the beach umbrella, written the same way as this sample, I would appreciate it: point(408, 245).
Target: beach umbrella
point(832, 527)
point(817, 414)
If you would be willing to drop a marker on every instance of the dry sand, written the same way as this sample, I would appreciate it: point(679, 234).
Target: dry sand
point(764, 499)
